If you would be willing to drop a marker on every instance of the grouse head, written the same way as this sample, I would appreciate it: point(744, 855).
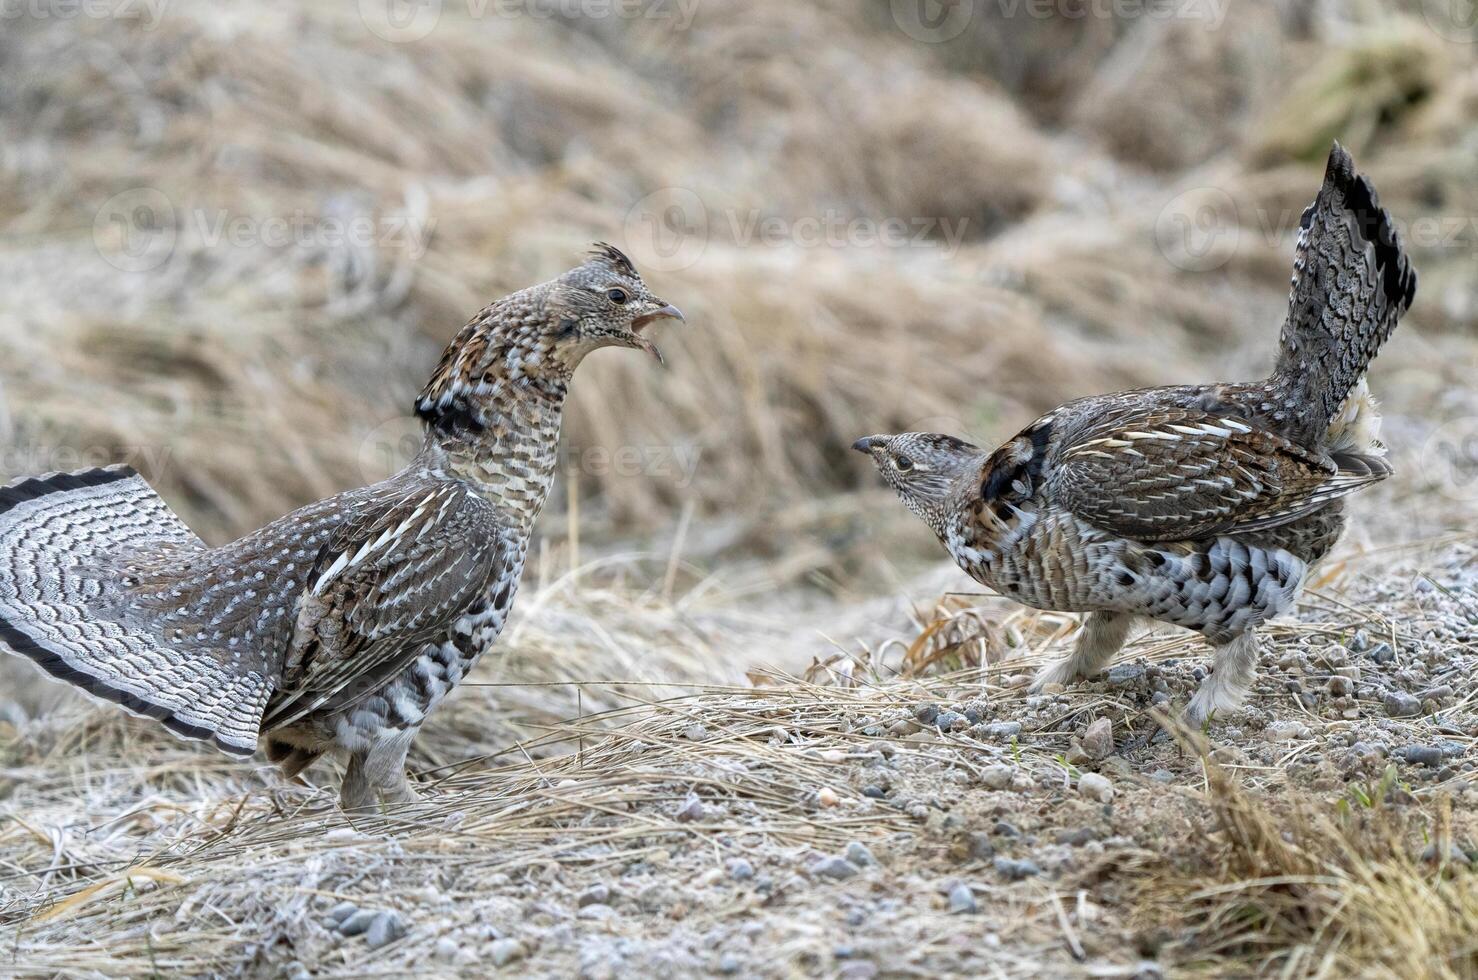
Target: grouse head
point(924, 469)
point(532, 340)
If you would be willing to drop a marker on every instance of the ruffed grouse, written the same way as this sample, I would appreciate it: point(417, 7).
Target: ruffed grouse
point(1203, 506)
point(339, 627)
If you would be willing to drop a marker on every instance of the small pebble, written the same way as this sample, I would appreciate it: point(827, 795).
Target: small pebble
point(1340, 687)
point(978, 847)
point(1455, 854)
point(1123, 674)
point(695, 733)
point(1286, 730)
point(692, 809)
point(729, 964)
point(1421, 755)
point(505, 951)
point(1014, 870)
point(961, 900)
point(950, 721)
point(447, 949)
point(1078, 837)
point(1399, 704)
point(1098, 740)
point(359, 922)
point(996, 777)
point(596, 912)
point(859, 855)
point(741, 870)
point(1382, 653)
point(1003, 729)
point(1164, 776)
point(597, 894)
point(342, 911)
point(827, 797)
point(1096, 786)
point(384, 930)
point(838, 868)
point(926, 713)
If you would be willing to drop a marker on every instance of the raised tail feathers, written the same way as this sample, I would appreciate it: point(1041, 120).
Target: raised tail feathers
point(56, 533)
point(1351, 283)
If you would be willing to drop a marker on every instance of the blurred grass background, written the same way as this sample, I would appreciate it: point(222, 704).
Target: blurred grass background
point(237, 237)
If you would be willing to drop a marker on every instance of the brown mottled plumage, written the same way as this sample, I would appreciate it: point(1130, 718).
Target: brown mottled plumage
point(342, 625)
point(1203, 506)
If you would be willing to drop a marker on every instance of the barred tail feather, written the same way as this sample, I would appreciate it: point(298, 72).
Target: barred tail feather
point(56, 532)
point(1352, 282)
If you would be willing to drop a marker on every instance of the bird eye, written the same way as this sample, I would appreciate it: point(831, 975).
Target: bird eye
point(617, 296)
point(902, 464)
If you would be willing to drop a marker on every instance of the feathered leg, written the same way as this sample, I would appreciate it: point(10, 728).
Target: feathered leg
point(1103, 635)
point(1230, 681)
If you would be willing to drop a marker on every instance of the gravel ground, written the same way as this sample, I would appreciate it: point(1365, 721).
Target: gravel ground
point(944, 824)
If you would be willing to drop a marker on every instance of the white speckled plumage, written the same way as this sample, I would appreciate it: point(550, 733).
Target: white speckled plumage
point(341, 626)
point(1198, 505)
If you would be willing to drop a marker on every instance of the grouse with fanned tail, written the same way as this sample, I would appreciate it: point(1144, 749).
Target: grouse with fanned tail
point(339, 627)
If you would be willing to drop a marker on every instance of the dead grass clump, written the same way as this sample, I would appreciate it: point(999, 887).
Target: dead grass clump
point(1362, 887)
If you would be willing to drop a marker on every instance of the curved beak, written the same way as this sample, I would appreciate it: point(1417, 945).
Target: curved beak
point(666, 312)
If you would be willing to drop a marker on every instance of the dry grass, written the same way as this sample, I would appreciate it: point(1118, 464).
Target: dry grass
point(303, 357)
point(248, 377)
point(1362, 886)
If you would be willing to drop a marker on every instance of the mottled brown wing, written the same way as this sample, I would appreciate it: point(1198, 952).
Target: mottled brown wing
point(1178, 474)
point(381, 588)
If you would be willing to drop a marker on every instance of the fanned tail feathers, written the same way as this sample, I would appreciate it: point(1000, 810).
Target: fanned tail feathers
point(56, 533)
point(1351, 284)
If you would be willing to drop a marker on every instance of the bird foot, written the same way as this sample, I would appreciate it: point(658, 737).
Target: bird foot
point(1063, 672)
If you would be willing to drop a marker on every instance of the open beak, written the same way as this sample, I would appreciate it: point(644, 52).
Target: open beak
point(668, 312)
